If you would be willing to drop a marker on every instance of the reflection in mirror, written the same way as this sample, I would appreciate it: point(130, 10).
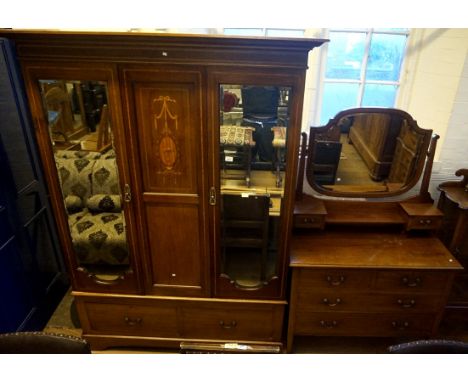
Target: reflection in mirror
point(367, 152)
point(81, 135)
point(253, 126)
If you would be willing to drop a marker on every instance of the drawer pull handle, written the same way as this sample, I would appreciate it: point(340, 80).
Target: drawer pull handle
point(411, 283)
point(233, 324)
point(400, 325)
point(335, 282)
point(328, 324)
point(326, 301)
point(132, 321)
point(406, 304)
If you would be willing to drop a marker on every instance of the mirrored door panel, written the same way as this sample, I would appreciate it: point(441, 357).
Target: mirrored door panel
point(253, 124)
point(80, 130)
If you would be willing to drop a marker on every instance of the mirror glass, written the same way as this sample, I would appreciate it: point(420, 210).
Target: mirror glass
point(372, 152)
point(80, 130)
point(253, 125)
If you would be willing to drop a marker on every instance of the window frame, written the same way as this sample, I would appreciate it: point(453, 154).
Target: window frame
point(362, 81)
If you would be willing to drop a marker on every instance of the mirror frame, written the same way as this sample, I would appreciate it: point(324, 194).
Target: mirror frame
point(332, 124)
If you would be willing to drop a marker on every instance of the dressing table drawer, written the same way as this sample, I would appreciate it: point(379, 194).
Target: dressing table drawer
point(334, 279)
point(416, 281)
point(361, 324)
point(424, 223)
point(328, 301)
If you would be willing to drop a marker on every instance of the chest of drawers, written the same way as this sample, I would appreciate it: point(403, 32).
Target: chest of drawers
point(371, 284)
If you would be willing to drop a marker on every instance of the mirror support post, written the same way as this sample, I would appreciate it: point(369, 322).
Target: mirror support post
point(424, 190)
point(301, 171)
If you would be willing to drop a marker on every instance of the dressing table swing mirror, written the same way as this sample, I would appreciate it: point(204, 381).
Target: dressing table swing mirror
point(365, 258)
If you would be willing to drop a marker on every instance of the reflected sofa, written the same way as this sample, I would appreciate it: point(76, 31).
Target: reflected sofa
point(92, 199)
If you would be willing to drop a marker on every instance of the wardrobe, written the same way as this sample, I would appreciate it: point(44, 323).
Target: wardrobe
point(148, 197)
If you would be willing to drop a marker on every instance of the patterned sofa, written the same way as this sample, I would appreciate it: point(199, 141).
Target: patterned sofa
point(92, 199)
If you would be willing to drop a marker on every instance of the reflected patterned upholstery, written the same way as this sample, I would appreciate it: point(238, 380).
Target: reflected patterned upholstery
point(92, 199)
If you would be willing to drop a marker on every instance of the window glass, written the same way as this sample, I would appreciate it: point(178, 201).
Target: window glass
point(345, 54)
point(244, 31)
point(379, 95)
point(285, 32)
point(385, 57)
point(336, 97)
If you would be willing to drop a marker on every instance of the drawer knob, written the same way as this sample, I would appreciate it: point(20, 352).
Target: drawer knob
point(406, 304)
point(328, 324)
point(326, 301)
point(335, 281)
point(231, 325)
point(411, 283)
point(132, 321)
point(400, 325)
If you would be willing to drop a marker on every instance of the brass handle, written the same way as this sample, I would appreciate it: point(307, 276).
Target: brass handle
point(212, 196)
point(408, 304)
point(328, 324)
point(400, 325)
point(411, 283)
point(127, 194)
point(132, 321)
point(326, 301)
point(335, 282)
point(233, 324)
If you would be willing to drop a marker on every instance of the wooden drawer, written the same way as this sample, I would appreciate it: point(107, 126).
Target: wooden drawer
point(187, 319)
point(414, 281)
point(362, 324)
point(309, 221)
point(424, 223)
point(236, 322)
point(330, 301)
point(336, 279)
point(158, 320)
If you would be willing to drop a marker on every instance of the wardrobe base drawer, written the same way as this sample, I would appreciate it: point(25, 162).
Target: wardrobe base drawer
point(364, 324)
point(232, 321)
point(184, 319)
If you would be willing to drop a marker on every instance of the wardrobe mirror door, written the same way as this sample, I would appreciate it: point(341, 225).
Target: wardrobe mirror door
point(253, 125)
point(80, 130)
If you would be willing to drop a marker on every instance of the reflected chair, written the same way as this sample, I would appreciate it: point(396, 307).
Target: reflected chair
point(326, 160)
point(244, 224)
point(260, 111)
point(42, 343)
point(59, 111)
point(435, 346)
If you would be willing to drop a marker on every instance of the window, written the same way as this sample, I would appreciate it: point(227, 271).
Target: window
point(362, 69)
point(271, 32)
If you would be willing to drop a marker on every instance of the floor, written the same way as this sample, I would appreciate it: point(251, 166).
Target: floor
point(62, 321)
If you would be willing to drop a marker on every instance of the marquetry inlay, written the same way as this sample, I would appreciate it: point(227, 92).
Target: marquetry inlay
point(165, 130)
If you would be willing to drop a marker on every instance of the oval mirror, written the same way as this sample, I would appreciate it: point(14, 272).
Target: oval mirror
point(367, 152)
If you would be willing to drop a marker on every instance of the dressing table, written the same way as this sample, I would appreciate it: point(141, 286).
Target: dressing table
point(365, 260)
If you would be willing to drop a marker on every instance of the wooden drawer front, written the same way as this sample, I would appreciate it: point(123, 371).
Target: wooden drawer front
point(334, 279)
point(424, 222)
point(246, 323)
point(309, 221)
point(330, 301)
point(362, 324)
point(157, 321)
point(412, 281)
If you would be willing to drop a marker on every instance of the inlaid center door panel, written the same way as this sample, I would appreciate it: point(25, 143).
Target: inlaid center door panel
point(165, 121)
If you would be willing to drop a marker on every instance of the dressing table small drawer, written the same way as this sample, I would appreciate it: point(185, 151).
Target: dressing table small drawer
point(424, 223)
point(309, 221)
point(421, 216)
